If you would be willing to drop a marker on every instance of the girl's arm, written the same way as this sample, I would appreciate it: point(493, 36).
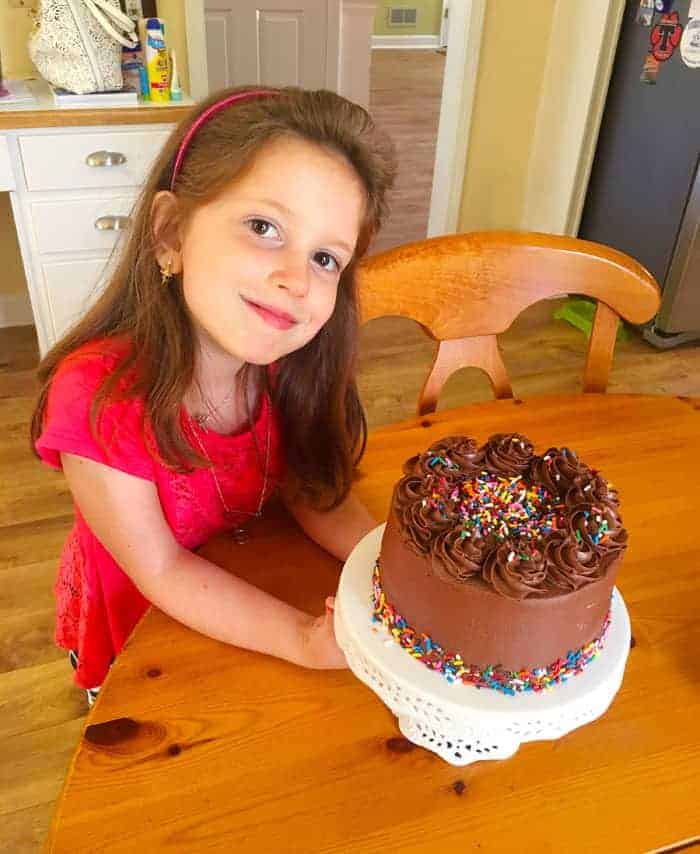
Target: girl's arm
point(337, 530)
point(125, 514)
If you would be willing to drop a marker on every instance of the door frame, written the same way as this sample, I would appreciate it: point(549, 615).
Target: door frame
point(465, 24)
point(196, 38)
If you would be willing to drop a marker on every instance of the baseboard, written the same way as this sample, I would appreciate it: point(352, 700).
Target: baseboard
point(412, 42)
point(15, 310)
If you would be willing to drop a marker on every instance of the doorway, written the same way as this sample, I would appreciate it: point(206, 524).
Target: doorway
point(423, 98)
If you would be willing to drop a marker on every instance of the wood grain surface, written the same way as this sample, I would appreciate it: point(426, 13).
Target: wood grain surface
point(197, 746)
point(61, 117)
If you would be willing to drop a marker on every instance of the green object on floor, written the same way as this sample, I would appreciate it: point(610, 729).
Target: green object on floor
point(580, 313)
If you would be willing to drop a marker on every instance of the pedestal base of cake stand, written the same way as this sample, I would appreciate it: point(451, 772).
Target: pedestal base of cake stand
point(459, 722)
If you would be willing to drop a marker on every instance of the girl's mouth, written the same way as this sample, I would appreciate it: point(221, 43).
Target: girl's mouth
point(274, 317)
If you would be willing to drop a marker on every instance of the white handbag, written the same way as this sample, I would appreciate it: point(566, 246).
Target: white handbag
point(77, 44)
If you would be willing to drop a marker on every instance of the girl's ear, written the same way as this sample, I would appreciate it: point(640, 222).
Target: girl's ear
point(166, 222)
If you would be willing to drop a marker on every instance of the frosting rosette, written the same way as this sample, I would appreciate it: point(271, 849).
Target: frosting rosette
point(583, 551)
point(590, 487)
point(508, 454)
point(457, 557)
point(596, 528)
point(558, 469)
point(604, 529)
point(516, 570)
point(464, 452)
point(421, 521)
point(569, 566)
point(411, 488)
point(431, 466)
point(453, 458)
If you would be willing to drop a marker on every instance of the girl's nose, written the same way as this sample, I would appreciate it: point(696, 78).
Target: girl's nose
point(293, 277)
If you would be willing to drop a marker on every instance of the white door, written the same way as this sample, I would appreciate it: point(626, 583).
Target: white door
point(271, 42)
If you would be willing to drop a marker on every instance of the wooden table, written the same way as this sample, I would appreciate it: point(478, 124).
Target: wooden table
point(197, 746)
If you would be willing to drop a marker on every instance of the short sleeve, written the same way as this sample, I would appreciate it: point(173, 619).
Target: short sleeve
point(67, 428)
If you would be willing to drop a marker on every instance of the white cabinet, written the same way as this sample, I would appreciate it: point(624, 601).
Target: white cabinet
point(7, 179)
point(72, 191)
point(70, 287)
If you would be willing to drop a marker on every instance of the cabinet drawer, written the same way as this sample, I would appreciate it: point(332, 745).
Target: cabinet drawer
point(61, 161)
point(72, 226)
point(71, 287)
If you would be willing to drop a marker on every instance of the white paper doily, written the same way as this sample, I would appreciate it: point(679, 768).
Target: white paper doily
point(461, 723)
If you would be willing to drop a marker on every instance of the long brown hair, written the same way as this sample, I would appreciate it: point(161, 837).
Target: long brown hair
point(315, 391)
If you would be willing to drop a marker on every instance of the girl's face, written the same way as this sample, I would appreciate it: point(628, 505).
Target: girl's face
point(261, 263)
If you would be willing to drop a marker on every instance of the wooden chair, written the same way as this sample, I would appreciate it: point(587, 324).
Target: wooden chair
point(464, 289)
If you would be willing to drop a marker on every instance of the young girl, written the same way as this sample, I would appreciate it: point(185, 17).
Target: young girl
point(217, 366)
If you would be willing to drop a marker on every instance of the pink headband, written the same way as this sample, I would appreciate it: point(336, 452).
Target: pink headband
point(204, 117)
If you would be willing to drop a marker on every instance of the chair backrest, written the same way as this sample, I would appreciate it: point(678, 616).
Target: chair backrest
point(464, 289)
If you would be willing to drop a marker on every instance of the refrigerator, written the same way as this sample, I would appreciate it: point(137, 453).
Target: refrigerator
point(643, 195)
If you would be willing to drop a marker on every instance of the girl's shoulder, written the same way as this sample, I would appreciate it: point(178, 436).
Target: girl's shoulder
point(115, 435)
point(91, 364)
point(97, 357)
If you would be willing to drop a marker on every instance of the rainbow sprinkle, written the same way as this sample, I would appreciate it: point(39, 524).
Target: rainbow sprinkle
point(423, 648)
point(502, 507)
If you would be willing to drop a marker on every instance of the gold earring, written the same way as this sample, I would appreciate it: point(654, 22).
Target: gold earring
point(166, 274)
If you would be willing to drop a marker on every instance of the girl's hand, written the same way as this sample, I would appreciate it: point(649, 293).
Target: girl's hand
point(320, 649)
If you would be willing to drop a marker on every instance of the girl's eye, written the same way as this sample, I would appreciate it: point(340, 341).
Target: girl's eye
point(261, 227)
point(324, 259)
point(264, 228)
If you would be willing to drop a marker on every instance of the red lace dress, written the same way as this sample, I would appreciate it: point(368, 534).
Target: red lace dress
point(97, 603)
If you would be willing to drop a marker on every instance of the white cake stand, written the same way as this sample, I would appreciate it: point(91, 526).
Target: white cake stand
point(459, 722)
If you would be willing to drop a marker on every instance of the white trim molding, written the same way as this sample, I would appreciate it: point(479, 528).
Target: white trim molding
point(196, 37)
point(579, 63)
point(15, 310)
point(354, 35)
point(407, 42)
point(466, 23)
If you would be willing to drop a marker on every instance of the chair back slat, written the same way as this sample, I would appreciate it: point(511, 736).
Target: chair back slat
point(464, 289)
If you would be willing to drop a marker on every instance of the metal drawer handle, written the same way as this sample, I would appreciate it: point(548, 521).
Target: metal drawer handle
point(105, 158)
point(112, 223)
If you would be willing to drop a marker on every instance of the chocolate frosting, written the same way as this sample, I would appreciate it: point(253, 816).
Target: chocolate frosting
point(417, 515)
point(455, 557)
point(452, 457)
point(590, 487)
point(515, 569)
point(507, 454)
point(559, 469)
point(581, 534)
point(411, 488)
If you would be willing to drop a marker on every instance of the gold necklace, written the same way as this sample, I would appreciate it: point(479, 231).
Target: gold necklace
point(241, 534)
point(202, 417)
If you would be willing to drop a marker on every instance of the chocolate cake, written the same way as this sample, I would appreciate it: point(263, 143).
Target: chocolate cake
point(497, 564)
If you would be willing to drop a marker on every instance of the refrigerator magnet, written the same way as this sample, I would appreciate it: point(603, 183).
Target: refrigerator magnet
point(650, 70)
point(665, 36)
point(690, 43)
point(645, 13)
